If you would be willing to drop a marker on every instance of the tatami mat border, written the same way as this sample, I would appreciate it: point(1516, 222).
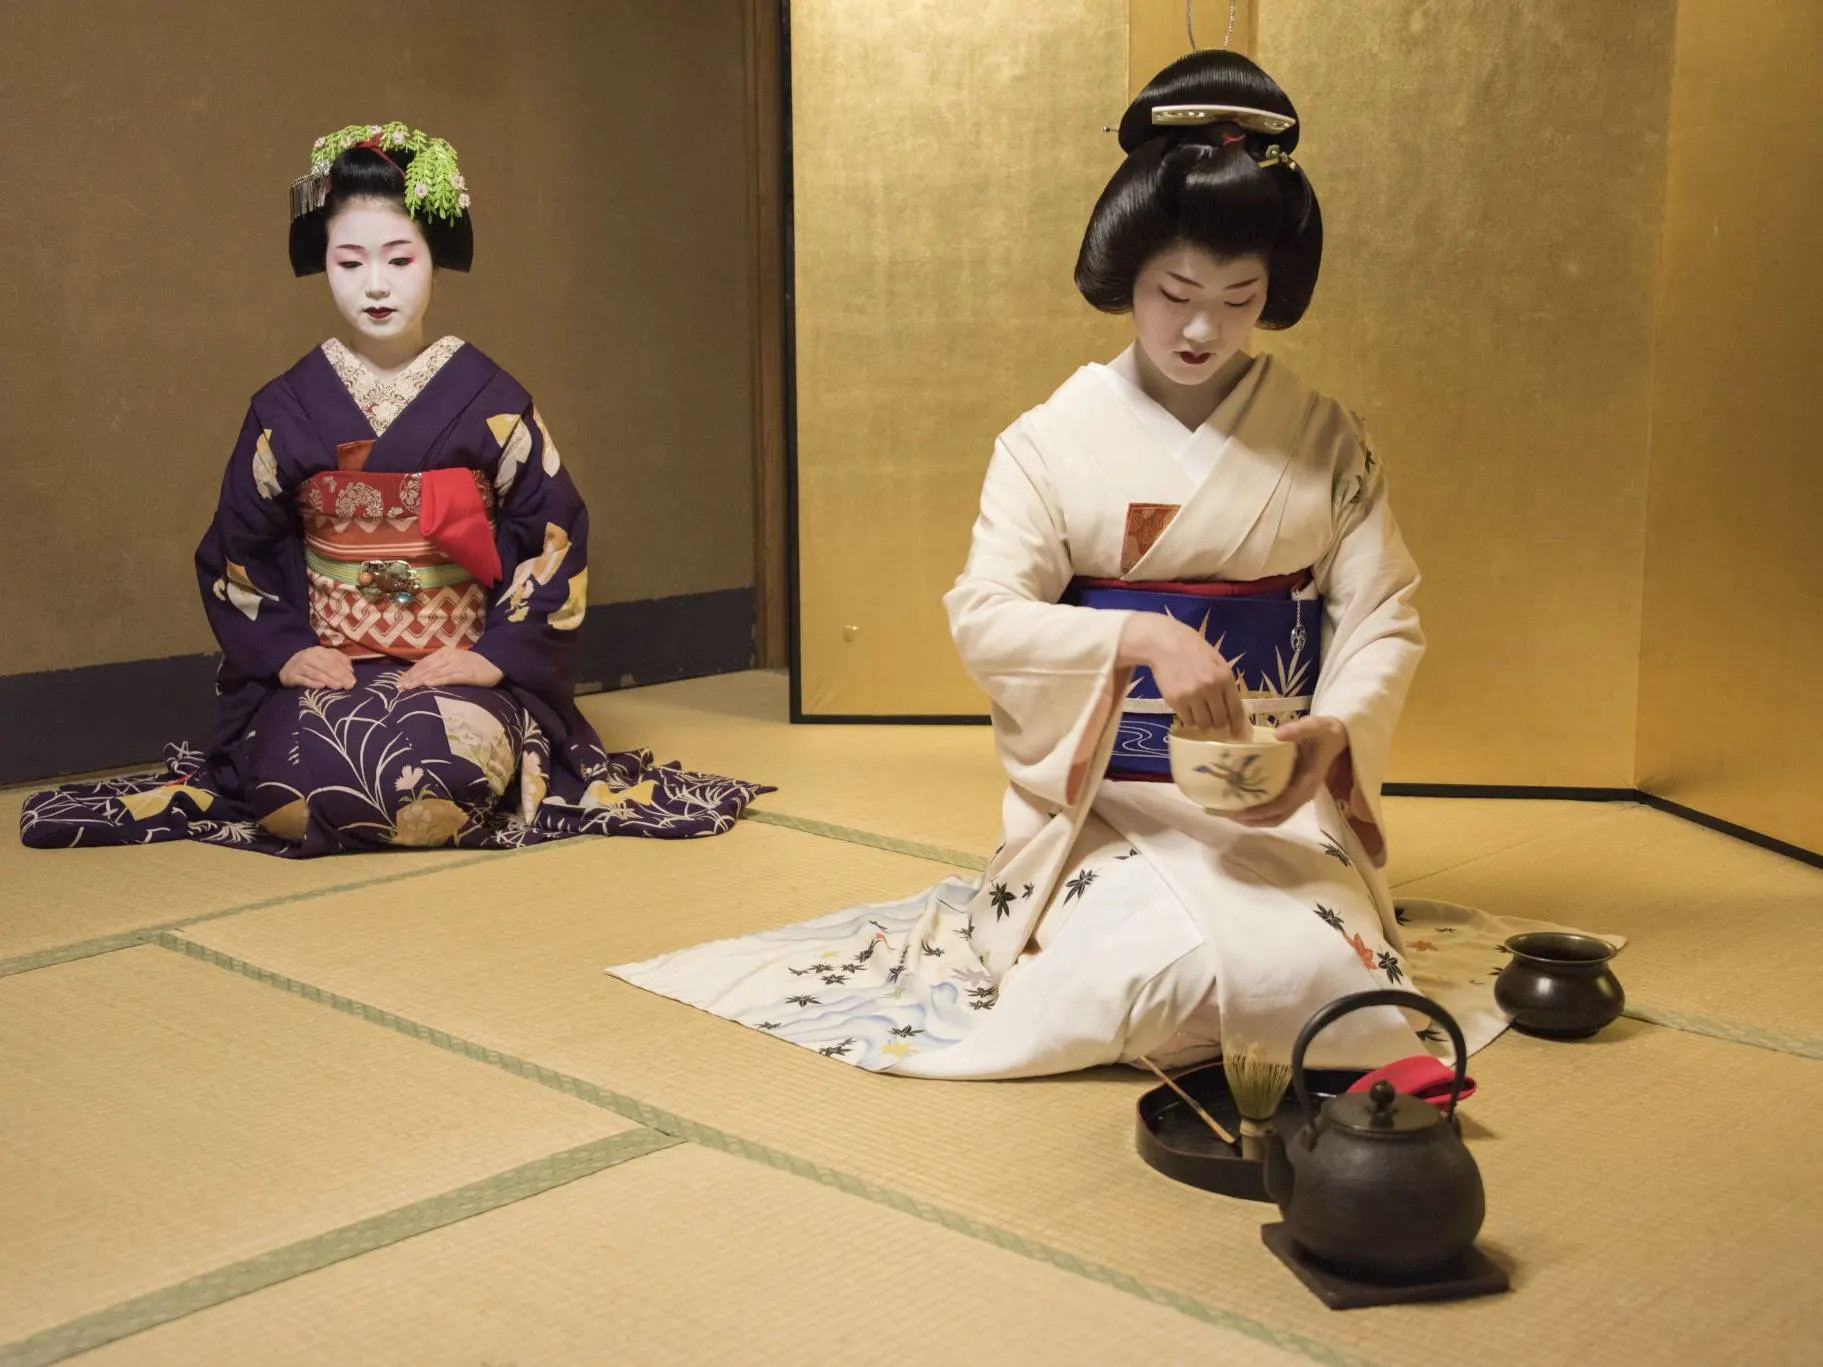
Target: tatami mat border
point(127, 939)
point(916, 849)
point(321, 1250)
point(678, 1128)
point(1755, 1036)
point(140, 935)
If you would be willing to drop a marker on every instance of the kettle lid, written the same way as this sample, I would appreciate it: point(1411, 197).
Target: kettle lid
point(1381, 1111)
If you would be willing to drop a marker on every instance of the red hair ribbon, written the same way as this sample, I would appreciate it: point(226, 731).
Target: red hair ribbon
point(374, 144)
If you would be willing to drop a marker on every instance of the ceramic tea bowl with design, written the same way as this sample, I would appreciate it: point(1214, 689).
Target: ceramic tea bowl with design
point(1230, 775)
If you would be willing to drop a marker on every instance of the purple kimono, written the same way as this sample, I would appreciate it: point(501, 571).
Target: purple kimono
point(331, 481)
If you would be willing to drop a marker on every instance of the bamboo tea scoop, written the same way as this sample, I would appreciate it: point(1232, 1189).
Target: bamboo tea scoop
point(1188, 1100)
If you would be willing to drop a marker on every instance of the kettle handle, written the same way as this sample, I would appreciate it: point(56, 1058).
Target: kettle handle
point(1385, 996)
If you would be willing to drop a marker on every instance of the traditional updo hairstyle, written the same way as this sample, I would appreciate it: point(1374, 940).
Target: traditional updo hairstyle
point(366, 173)
point(1203, 185)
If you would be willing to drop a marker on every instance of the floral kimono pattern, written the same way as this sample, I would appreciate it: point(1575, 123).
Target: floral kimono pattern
point(303, 772)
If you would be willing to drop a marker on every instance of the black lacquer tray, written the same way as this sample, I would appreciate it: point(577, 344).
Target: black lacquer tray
point(1173, 1140)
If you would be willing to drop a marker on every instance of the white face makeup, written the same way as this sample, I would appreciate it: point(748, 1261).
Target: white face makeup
point(380, 274)
point(1192, 312)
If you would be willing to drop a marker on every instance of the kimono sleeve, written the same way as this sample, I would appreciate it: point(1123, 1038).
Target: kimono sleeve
point(1368, 579)
point(250, 564)
point(1049, 669)
point(542, 533)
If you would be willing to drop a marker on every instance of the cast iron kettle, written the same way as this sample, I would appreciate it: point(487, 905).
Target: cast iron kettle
point(1377, 1184)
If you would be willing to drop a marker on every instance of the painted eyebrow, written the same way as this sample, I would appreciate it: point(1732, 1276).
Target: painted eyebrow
point(1197, 284)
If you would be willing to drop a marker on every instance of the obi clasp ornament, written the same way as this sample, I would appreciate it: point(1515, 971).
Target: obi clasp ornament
point(388, 579)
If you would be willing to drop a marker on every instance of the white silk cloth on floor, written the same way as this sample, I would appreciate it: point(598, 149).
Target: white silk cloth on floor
point(1119, 918)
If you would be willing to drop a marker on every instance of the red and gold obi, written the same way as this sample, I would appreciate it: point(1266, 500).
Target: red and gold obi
point(399, 564)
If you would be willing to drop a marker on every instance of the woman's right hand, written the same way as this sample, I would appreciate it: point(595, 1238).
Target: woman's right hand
point(317, 667)
point(1190, 673)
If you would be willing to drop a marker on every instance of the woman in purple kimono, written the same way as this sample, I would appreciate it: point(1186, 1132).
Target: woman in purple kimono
point(396, 572)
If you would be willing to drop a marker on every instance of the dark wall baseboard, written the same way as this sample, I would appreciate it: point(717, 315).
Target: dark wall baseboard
point(1677, 809)
point(1534, 792)
point(74, 721)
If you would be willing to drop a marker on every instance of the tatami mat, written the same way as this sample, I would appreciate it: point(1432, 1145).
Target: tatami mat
point(1427, 836)
point(167, 1117)
point(938, 785)
point(1627, 1190)
point(56, 897)
point(1716, 926)
point(162, 1117)
point(689, 1256)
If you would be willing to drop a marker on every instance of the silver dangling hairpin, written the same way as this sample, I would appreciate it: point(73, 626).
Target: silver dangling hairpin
point(1190, 24)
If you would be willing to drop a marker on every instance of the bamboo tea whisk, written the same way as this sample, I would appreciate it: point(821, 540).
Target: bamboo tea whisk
point(1257, 1085)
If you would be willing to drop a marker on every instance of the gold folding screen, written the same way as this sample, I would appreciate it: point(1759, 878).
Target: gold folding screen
point(1728, 720)
point(1494, 185)
point(945, 156)
point(1492, 177)
point(1486, 303)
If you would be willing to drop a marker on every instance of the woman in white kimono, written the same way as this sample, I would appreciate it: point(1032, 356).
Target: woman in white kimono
point(1152, 541)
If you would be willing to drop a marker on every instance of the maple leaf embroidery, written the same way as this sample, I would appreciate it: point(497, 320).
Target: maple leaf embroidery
point(1002, 898)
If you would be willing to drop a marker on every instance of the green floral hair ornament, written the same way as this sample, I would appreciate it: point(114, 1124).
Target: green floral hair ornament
point(434, 186)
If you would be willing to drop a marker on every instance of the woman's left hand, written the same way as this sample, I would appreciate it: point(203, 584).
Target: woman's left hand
point(451, 666)
point(1321, 741)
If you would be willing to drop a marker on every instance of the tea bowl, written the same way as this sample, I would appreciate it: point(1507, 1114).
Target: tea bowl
point(1230, 775)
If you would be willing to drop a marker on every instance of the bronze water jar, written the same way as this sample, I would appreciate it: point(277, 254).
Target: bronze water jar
point(1558, 984)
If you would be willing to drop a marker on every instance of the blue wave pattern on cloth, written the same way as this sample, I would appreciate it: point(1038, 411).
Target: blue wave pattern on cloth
point(1273, 641)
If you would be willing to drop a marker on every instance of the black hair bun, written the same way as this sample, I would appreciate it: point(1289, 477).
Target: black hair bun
point(1203, 185)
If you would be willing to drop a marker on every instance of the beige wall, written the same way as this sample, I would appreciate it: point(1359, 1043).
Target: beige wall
point(145, 162)
point(1492, 178)
point(1728, 719)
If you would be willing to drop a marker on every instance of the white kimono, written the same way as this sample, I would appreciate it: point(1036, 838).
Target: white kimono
point(1118, 918)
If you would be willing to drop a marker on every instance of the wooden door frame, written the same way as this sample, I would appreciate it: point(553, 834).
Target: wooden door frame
point(769, 189)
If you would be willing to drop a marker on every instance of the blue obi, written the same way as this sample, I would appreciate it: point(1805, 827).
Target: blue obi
point(1271, 638)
